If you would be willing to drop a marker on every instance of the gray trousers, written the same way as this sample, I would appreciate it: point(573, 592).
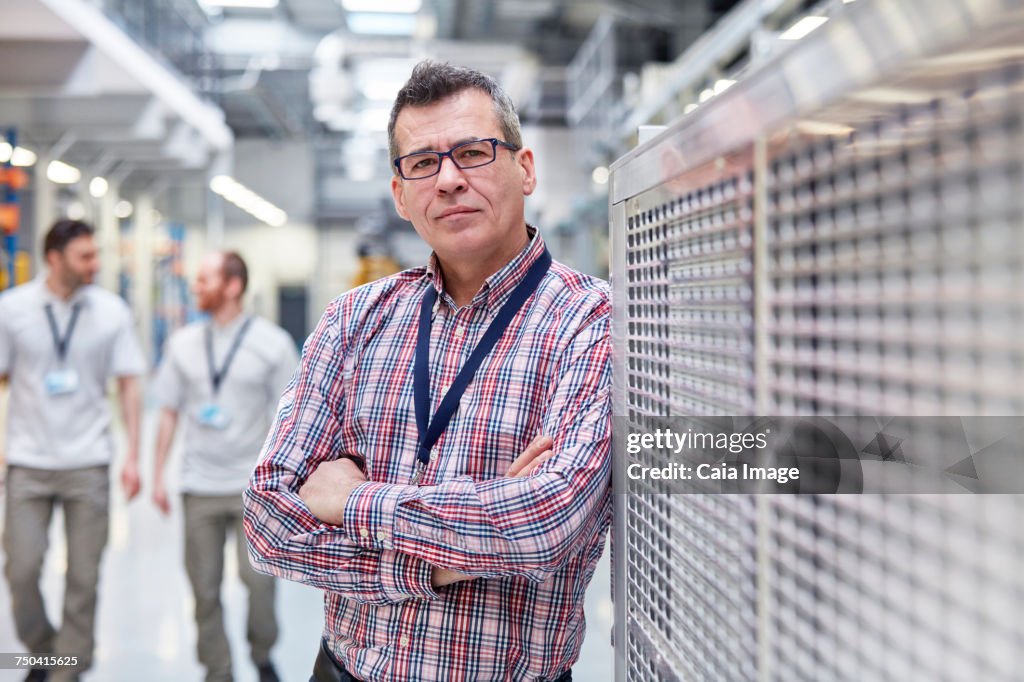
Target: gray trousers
point(32, 495)
point(208, 519)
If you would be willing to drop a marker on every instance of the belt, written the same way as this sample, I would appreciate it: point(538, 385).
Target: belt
point(328, 669)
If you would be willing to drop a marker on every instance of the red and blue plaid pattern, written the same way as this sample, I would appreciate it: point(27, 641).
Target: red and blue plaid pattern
point(532, 543)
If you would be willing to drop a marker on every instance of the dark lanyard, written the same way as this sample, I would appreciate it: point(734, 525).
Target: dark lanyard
point(60, 343)
point(430, 429)
point(218, 377)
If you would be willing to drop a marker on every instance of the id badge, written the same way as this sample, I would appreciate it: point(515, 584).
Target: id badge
point(61, 382)
point(214, 416)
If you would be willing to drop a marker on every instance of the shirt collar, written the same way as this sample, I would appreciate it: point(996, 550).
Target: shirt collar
point(79, 297)
point(498, 286)
point(231, 327)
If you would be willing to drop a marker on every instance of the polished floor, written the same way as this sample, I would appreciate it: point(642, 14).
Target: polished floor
point(145, 630)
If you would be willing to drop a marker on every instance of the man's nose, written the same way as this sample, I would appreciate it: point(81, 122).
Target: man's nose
point(450, 178)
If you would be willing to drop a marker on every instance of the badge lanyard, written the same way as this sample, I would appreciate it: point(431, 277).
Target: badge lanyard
point(60, 343)
point(430, 429)
point(218, 377)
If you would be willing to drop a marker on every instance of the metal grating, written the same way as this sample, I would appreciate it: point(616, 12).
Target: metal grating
point(895, 257)
point(843, 247)
point(689, 279)
point(900, 587)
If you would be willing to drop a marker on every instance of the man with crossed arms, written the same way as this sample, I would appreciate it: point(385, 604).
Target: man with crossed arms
point(440, 464)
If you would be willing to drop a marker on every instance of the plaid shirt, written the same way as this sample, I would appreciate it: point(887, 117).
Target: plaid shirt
point(532, 543)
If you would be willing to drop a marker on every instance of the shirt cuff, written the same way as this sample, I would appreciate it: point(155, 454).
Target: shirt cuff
point(369, 518)
point(403, 576)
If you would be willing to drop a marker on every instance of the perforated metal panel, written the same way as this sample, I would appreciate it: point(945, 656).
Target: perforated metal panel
point(840, 245)
point(689, 273)
point(893, 587)
point(895, 254)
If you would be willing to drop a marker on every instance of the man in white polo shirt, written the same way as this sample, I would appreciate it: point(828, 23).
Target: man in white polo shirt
point(61, 340)
point(224, 377)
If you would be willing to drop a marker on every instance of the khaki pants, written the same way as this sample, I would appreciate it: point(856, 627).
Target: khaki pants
point(31, 496)
point(207, 522)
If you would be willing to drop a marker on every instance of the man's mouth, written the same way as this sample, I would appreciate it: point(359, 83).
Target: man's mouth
point(456, 210)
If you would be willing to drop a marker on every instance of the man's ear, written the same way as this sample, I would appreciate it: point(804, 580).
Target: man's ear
point(396, 194)
point(234, 286)
point(528, 169)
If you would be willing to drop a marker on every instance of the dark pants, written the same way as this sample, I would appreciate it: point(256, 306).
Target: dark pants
point(327, 669)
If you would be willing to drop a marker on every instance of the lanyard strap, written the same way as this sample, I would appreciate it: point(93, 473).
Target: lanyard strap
point(218, 377)
point(61, 343)
point(431, 429)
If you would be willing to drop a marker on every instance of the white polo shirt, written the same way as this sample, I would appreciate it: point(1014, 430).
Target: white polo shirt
point(218, 460)
point(67, 430)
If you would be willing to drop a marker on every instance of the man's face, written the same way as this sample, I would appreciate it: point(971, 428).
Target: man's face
point(210, 287)
point(78, 264)
point(464, 215)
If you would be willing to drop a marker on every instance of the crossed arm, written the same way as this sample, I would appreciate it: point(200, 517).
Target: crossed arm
point(312, 517)
point(327, 491)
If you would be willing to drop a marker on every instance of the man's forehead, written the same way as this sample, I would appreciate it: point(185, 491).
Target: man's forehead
point(462, 116)
point(83, 242)
point(212, 262)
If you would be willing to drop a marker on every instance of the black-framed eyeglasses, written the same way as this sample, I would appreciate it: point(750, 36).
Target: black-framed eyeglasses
point(472, 154)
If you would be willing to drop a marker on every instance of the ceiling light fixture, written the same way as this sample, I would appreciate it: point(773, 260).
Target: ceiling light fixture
point(723, 84)
point(19, 156)
point(239, 4)
point(98, 187)
point(381, 24)
point(802, 28)
point(247, 200)
point(62, 173)
point(383, 6)
point(123, 209)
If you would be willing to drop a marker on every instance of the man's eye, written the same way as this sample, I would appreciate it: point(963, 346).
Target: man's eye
point(424, 162)
point(470, 154)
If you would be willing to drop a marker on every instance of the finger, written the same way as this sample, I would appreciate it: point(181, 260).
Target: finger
point(536, 447)
point(536, 463)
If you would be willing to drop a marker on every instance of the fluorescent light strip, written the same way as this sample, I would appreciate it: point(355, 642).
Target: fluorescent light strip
point(802, 28)
point(383, 6)
point(723, 84)
point(380, 24)
point(62, 173)
point(247, 200)
point(240, 4)
point(18, 157)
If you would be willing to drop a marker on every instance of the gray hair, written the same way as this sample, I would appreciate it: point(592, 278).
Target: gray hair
point(432, 81)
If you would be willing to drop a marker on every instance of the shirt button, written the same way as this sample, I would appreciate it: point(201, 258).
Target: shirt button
point(382, 536)
point(403, 641)
point(460, 332)
point(364, 533)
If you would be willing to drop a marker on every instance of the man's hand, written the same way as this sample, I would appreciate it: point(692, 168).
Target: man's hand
point(535, 454)
point(160, 499)
point(130, 482)
point(327, 489)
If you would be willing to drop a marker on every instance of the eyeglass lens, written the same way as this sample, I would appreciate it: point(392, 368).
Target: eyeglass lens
point(467, 155)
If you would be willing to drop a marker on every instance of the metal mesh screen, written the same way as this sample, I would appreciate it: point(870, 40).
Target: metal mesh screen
point(893, 587)
point(895, 255)
point(863, 255)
